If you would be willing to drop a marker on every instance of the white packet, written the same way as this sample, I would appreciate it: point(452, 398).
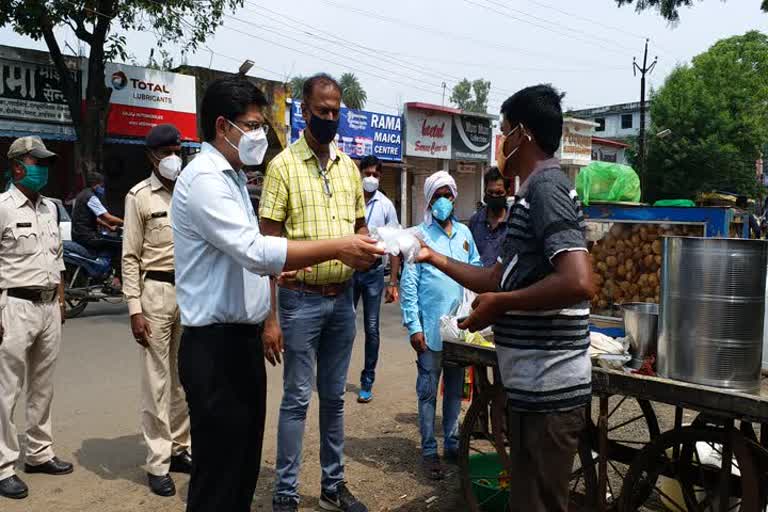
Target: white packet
point(398, 241)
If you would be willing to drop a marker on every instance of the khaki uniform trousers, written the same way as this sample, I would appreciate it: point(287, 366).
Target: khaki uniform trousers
point(28, 354)
point(164, 415)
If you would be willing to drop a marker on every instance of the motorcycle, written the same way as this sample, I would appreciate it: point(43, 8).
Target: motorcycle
point(88, 277)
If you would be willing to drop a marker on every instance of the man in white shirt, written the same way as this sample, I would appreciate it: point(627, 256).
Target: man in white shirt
point(223, 264)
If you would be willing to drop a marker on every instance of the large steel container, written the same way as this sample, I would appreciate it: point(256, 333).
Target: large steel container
point(712, 311)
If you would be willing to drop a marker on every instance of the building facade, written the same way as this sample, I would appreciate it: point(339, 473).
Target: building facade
point(620, 121)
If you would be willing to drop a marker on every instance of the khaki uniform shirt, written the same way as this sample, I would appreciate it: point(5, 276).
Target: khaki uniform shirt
point(294, 193)
point(31, 253)
point(147, 237)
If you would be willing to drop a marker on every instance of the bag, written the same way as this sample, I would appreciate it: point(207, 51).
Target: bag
point(398, 241)
point(675, 203)
point(605, 181)
point(449, 324)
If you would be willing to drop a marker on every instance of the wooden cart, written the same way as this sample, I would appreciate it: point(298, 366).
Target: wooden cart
point(709, 458)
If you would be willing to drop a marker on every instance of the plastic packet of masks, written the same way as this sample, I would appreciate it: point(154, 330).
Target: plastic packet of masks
point(396, 240)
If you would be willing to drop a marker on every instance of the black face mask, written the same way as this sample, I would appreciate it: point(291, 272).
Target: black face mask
point(323, 130)
point(496, 202)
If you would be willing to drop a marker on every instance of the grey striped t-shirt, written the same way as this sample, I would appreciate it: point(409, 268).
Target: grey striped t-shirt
point(543, 355)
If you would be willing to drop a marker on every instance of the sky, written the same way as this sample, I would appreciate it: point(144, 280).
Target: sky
point(404, 50)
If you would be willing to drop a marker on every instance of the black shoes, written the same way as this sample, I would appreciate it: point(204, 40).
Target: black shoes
point(341, 501)
point(181, 463)
point(52, 467)
point(284, 505)
point(162, 485)
point(13, 487)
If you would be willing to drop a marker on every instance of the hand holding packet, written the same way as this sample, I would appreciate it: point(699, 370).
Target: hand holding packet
point(396, 240)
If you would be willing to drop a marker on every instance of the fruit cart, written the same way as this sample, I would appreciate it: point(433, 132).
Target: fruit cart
point(712, 457)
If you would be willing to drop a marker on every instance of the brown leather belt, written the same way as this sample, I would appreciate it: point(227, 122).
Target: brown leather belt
point(324, 290)
point(164, 277)
point(34, 294)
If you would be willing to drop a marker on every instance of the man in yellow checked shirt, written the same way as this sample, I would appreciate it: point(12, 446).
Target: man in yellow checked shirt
point(312, 191)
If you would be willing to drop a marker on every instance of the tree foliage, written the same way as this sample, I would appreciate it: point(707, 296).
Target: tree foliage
point(296, 85)
point(669, 9)
point(717, 111)
point(185, 23)
point(352, 93)
point(471, 96)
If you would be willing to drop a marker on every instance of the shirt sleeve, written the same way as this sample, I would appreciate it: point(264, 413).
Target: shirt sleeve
point(359, 197)
point(273, 204)
point(133, 242)
point(391, 214)
point(558, 222)
point(409, 298)
point(219, 216)
point(94, 203)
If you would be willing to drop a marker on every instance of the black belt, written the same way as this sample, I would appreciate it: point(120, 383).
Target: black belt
point(164, 277)
point(33, 294)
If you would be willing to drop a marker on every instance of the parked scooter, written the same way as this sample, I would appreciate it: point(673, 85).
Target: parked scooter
point(88, 277)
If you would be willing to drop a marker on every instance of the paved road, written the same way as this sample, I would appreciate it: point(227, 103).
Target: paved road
point(96, 413)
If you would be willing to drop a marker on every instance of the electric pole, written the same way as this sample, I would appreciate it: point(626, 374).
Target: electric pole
point(444, 86)
point(646, 69)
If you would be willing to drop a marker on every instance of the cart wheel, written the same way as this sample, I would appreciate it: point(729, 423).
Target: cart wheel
point(483, 437)
point(680, 471)
point(632, 425)
point(760, 456)
point(704, 420)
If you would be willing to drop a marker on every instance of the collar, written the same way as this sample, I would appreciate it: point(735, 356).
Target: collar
point(541, 165)
point(375, 197)
point(486, 210)
point(154, 182)
point(436, 225)
point(222, 164)
point(19, 199)
point(304, 152)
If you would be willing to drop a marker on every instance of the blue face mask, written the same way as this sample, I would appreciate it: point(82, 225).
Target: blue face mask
point(442, 209)
point(99, 191)
point(35, 177)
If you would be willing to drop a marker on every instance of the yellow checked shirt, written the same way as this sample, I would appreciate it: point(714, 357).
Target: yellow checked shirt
point(294, 194)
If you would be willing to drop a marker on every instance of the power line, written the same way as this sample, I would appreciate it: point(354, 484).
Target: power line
point(453, 36)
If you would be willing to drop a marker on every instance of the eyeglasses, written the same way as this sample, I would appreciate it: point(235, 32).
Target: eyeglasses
point(254, 125)
point(326, 184)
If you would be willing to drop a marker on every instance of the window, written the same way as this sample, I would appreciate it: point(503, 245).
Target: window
point(626, 121)
point(601, 124)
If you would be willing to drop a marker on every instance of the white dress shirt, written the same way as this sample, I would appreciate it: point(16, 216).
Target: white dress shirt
point(222, 259)
point(379, 211)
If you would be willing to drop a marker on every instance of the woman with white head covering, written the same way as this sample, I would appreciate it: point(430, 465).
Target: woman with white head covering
point(426, 294)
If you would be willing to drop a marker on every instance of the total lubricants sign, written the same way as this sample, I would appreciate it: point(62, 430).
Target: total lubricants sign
point(360, 133)
point(144, 98)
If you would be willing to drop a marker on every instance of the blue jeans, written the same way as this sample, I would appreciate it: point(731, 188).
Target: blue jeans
point(370, 285)
point(320, 330)
point(430, 366)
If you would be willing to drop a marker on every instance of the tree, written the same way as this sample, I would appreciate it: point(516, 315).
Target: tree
point(296, 85)
point(717, 112)
point(462, 95)
point(94, 22)
point(669, 9)
point(352, 93)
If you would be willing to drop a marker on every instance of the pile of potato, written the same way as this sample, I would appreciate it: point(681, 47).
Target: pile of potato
point(627, 263)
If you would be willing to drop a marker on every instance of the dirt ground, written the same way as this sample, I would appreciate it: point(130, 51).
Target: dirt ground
point(96, 415)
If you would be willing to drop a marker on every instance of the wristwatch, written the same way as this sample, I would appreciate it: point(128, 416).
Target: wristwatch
point(392, 283)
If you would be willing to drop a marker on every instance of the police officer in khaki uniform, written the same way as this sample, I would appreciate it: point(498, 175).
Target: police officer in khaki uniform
point(149, 288)
point(32, 313)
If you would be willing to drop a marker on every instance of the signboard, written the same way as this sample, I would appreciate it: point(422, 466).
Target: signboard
point(471, 138)
point(31, 91)
point(144, 98)
point(360, 133)
point(428, 134)
point(576, 143)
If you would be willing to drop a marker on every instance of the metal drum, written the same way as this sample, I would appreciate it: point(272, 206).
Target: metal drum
point(712, 311)
point(641, 321)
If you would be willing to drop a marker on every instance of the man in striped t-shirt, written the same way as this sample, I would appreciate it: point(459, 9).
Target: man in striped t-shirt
point(536, 297)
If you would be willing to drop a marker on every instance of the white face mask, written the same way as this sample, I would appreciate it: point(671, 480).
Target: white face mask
point(370, 184)
point(170, 167)
point(252, 146)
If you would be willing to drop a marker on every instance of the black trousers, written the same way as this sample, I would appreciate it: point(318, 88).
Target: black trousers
point(222, 370)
